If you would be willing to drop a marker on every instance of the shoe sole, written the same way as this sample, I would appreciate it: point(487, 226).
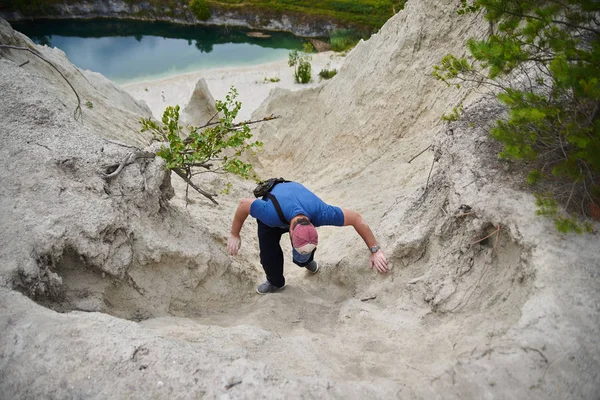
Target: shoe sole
point(272, 291)
point(315, 271)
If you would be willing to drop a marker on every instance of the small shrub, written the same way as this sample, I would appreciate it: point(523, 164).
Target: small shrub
point(327, 73)
point(302, 67)
point(200, 9)
point(304, 72)
point(89, 104)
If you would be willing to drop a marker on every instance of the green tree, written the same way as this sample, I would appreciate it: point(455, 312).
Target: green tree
point(543, 61)
point(215, 147)
point(200, 9)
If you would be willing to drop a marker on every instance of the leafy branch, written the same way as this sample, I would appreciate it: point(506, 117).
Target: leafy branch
point(216, 147)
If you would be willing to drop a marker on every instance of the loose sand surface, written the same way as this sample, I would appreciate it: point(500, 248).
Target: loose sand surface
point(152, 306)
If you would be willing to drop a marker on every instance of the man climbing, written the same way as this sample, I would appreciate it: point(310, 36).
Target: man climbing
point(291, 201)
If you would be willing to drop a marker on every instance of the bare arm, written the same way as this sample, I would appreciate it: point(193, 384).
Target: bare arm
point(241, 213)
point(354, 219)
point(234, 242)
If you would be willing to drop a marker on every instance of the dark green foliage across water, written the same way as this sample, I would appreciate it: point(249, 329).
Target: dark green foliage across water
point(365, 14)
point(42, 31)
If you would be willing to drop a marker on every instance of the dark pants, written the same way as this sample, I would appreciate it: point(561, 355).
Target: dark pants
point(271, 255)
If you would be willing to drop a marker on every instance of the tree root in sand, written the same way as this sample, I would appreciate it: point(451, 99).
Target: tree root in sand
point(77, 112)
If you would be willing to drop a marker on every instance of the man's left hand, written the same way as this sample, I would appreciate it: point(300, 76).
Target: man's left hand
point(233, 244)
point(379, 262)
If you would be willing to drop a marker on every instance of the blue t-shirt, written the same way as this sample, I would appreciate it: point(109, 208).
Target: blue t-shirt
point(295, 199)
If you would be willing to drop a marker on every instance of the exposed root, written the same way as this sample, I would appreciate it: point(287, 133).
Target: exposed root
point(130, 159)
point(77, 112)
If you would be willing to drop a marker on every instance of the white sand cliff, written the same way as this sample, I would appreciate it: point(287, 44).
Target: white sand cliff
point(110, 288)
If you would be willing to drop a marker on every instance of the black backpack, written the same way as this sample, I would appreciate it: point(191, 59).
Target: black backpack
point(265, 187)
point(264, 190)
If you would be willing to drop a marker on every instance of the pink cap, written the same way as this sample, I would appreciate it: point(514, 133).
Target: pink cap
point(305, 238)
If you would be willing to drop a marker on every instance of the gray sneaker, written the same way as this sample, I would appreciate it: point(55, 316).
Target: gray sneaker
point(313, 267)
point(267, 287)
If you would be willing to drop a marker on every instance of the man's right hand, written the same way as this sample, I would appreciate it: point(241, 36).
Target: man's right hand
point(233, 244)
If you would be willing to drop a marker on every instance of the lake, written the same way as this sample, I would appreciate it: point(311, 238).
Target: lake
point(130, 51)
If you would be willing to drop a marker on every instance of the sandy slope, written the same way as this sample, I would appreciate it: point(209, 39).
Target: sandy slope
point(512, 317)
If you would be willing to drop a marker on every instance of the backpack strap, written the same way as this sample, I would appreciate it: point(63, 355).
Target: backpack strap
point(277, 208)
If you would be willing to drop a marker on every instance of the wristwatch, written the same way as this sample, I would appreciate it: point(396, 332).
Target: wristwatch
point(374, 249)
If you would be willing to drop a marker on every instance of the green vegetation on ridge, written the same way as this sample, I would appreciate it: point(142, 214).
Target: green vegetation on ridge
point(543, 59)
point(369, 14)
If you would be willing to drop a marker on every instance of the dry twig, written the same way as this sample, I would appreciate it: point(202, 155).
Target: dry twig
point(187, 180)
point(429, 176)
point(232, 384)
point(482, 239)
point(428, 147)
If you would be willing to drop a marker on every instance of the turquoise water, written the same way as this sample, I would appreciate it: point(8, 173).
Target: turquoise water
point(129, 51)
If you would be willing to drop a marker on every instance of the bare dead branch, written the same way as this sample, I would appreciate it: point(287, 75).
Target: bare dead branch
point(428, 176)
point(428, 147)
point(232, 384)
point(209, 121)
point(187, 180)
point(372, 297)
point(235, 126)
point(482, 239)
point(115, 142)
point(202, 165)
point(570, 195)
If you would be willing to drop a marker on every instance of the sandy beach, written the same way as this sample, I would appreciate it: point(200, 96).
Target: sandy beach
point(253, 84)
